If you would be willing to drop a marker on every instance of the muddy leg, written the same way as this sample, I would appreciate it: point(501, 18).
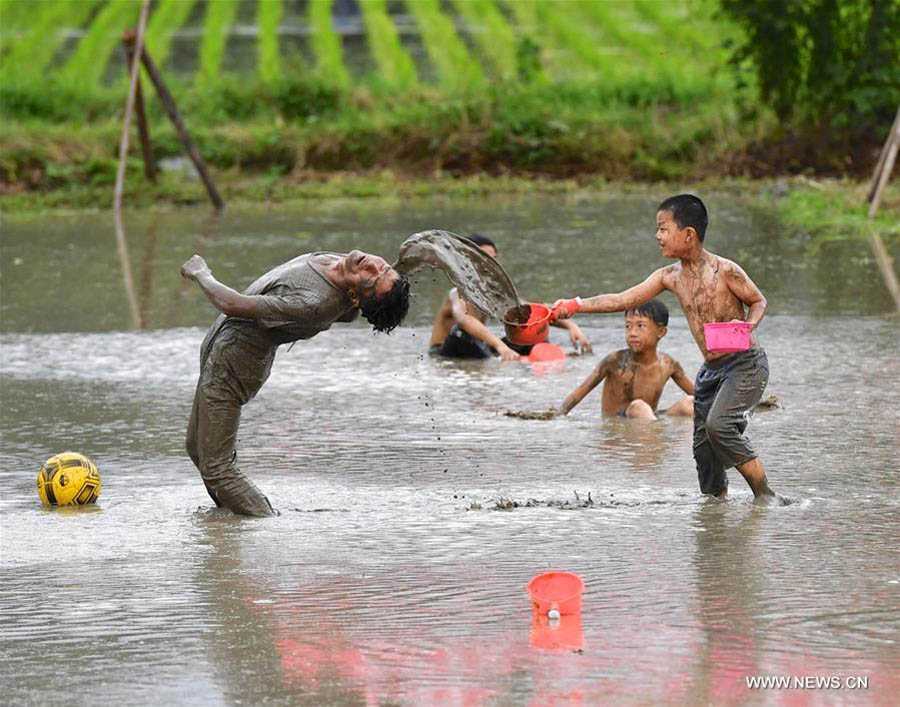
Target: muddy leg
point(216, 433)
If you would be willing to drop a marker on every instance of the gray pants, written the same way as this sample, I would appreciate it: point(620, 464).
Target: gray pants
point(228, 379)
point(725, 393)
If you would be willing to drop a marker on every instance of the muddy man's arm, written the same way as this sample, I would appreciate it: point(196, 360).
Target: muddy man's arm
point(223, 298)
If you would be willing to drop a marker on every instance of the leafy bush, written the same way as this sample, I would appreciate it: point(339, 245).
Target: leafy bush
point(823, 61)
point(296, 96)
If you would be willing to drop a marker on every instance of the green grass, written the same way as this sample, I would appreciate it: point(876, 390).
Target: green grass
point(395, 65)
point(327, 44)
point(167, 17)
point(492, 33)
point(216, 27)
point(268, 18)
point(572, 49)
point(31, 53)
point(830, 210)
point(14, 14)
point(458, 71)
point(530, 87)
point(88, 63)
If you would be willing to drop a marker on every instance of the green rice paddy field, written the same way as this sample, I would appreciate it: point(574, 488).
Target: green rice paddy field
point(360, 96)
point(630, 88)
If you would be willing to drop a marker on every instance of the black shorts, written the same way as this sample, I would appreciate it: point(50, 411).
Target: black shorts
point(460, 344)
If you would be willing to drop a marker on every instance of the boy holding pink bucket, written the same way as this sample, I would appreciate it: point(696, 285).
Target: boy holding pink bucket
point(732, 379)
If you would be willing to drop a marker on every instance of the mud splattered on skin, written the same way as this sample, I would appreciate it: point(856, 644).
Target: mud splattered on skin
point(704, 294)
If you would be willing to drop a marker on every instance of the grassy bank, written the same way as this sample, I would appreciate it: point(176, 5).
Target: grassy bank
point(632, 90)
point(635, 131)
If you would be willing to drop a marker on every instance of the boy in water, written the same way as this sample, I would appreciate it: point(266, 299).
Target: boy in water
point(634, 378)
point(728, 386)
point(459, 331)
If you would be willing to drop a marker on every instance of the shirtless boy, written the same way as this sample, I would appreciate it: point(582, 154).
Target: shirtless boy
point(728, 386)
point(459, 331)
point(634, 378)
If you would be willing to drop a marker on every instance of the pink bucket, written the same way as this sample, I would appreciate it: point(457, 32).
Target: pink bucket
point(727, 337)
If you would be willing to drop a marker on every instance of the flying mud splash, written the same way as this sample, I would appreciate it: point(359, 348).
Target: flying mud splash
point(479, 277)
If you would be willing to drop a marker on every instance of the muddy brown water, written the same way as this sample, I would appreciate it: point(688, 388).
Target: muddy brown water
point(414, 510)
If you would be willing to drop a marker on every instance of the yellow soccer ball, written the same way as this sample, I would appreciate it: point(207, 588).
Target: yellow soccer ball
point(68, 479)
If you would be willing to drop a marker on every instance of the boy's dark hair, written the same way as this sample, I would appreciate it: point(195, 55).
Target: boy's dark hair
point(385, 312)
point(480, 240)
point(687, 210)
point(654, 309)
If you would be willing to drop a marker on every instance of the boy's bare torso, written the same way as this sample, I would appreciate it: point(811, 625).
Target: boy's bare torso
point(703, 291)
point(626, 379)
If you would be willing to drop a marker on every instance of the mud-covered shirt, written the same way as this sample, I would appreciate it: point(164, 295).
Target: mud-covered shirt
point(294, 301)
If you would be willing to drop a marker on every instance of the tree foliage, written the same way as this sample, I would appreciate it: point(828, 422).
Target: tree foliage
point(823, 61)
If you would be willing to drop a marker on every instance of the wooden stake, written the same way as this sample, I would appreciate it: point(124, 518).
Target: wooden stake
point(886, 266)
point(121, 245)
point(879, 182)
point(150, 169)
point(879, 166)
point(882, 179)
point(172, 109)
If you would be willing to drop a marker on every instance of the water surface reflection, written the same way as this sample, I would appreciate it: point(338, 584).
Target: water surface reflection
point(391, 577)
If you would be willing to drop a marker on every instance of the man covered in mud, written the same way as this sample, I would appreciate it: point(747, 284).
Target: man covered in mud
point(296, 300)
point(728, 385)
point(634, 378)
point(459, 329)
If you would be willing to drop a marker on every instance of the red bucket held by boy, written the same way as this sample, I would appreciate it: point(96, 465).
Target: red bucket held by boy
point(529, 323)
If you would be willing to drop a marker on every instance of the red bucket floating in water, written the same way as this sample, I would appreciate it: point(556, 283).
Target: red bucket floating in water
point(559, 591)
point(545, 352)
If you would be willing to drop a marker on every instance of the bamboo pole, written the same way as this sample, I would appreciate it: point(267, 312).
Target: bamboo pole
point(150, 169)
point(879, 182)
point(172, 109)
point(886, 266)
point(879, 166)
point(893, 142)
point(121, 245)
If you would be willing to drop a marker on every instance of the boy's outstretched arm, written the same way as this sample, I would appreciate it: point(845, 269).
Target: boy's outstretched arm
point(681, 379)
point(589, 383)
point(747, 292)
point(628, 299)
